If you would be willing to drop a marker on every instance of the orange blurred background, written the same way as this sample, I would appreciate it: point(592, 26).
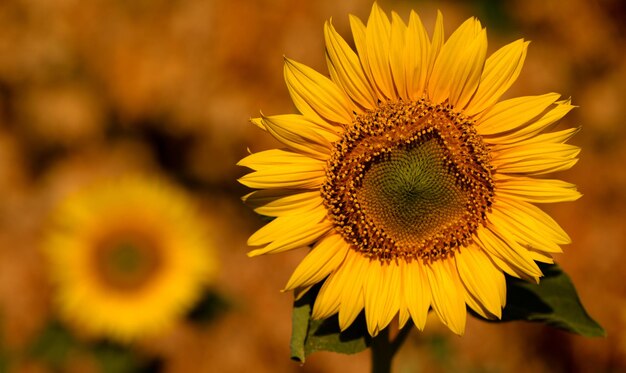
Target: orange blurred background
point(90, 89)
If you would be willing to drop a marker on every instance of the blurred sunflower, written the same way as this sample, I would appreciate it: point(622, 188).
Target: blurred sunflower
point(127, 258)
point(411, 180)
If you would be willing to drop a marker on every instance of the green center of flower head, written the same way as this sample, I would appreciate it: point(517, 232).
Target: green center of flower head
point(409, 192)
point(409, 180)
point(126, 261)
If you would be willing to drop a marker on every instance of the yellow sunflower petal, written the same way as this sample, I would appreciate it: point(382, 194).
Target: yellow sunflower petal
point(396, 54)
point(532, 129)
point(360, 42)
point(345, 69)
point(352, 298)
point(481, 278)
point(277, 228)
point(506, 267)
point(513, 113)
point(417, 292)
point(527, 152)
point(258, 122)
point(501, 70)
point(299, 134)
point(457, 70)
point(372, 288)
point(557, 137)
point(279, 202)
point(315, 95)
point(329, 298)
point(390, 295)
point(535, 159)
point(279, 157)
point(541, 167)
point(436, 43)
point(416, 58)
point(536, 190)
point(325, 257)
point(541, 256)
point(448, 300)
point(278, 168)
point(467, 77)
point(290, 232)
point(512, 232)
point(511, 252)
point(382, 296)
point(377, 35)
point(403, 315)
point(473, 303)
point(526, 213)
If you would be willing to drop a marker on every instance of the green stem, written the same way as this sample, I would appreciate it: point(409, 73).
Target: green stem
point(383, 350)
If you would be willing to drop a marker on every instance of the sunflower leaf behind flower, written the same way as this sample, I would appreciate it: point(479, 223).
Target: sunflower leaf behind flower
point(412, 182)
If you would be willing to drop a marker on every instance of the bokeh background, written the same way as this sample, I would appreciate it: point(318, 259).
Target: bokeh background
point(99, 88)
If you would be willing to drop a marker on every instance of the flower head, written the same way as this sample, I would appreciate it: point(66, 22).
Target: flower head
point(413, 183)
point(127, 258)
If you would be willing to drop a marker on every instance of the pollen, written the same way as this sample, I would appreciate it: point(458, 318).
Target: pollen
point(409, 180)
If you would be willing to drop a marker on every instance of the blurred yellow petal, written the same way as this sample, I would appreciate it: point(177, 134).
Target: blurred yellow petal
point(128, 258)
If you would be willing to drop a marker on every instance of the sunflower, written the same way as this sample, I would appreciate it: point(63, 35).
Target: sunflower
point(127, 257)
point(414, 184)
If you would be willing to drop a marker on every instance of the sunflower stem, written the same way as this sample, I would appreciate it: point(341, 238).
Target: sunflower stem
point(382, 352)
point(383, 349)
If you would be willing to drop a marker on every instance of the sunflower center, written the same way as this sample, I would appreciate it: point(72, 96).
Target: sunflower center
point(409, 180)
point(127, 261)
point(409, 193)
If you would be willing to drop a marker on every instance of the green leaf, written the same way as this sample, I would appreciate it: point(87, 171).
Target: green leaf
point(53, 344)
point(553, 302)
point(210, 306)
point(308, 335)
point(117, 358)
